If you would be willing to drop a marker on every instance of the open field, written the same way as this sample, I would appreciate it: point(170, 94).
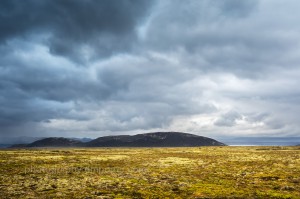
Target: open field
point(202, 172)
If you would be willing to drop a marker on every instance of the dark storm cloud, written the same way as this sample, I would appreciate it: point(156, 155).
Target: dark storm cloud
point(79, 29)
point(37, 87)
point(202, 66)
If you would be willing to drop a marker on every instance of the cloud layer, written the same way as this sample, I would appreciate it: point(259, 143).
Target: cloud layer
point(93, 68)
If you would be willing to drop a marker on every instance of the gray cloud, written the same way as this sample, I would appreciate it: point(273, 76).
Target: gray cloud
point(226, 36)
point(229, 119)
point(209, 67)
point(81, 30)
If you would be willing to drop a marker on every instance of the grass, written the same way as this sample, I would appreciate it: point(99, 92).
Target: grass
point(203, 172)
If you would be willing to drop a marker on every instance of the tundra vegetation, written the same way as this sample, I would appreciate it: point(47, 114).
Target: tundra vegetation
point(196, 172)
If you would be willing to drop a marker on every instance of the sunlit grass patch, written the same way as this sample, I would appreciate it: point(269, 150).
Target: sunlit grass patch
point(109, 157)
point(175, 161)
point(48, 157)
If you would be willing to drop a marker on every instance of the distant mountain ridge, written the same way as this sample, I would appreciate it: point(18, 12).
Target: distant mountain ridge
point(24, 140)
point(56, 142)
point(156, 139)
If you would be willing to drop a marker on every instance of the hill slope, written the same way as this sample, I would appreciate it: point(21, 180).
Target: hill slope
point(158, 139)
point(55, 142)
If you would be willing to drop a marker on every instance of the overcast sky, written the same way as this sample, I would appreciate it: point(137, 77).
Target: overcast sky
point(85, 68)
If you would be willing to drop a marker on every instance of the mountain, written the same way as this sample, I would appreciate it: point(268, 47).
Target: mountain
point(8, 141)
point(82, 139)
point(17, 146)
point(4, 145)
point(55, 142)
point(158, 139)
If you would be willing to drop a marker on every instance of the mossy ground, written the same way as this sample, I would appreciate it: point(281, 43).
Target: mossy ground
point(203, 172)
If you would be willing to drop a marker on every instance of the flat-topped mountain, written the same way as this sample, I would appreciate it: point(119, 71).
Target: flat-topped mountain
point(157, 139)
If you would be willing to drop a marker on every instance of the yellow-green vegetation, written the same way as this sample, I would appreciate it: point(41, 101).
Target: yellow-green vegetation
point(202, 172)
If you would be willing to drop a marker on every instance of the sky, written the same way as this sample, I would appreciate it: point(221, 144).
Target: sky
point(84, 68)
